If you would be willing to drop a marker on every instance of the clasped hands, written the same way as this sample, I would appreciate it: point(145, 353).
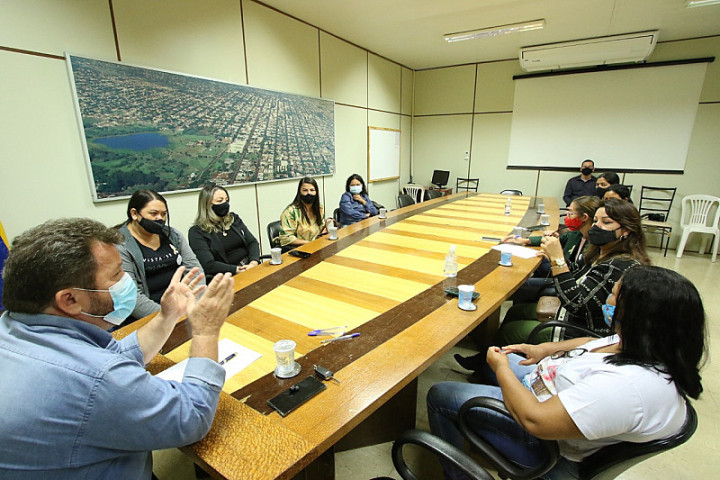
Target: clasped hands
point(497, 356)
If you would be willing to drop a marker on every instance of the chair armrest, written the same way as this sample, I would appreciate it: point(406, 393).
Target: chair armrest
point(505, 467)
point(532, 338)
point(547, 308)
point(439, 447)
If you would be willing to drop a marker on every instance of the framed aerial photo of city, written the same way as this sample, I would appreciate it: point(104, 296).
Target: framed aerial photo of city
point(147, 128)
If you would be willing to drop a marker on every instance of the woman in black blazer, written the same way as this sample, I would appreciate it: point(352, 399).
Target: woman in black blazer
point(219, 238)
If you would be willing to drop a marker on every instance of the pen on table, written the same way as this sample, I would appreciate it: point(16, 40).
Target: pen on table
point(491, 239)
point(344, 337)
point(328, 331)
point(227, 359)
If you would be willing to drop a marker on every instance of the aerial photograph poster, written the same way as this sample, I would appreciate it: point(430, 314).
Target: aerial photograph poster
point(147, 128)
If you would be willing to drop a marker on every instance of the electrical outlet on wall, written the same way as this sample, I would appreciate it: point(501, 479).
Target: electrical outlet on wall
point(467, 156)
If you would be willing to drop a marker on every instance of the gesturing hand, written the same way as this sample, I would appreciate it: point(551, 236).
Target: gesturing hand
point(533, 353)
point(209, 313)
point(180, 294)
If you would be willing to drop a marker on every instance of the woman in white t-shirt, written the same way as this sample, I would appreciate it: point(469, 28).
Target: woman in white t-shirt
point(588, 393)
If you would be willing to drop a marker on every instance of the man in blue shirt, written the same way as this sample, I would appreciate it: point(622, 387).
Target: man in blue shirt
point(75, 402)
point(581, 185)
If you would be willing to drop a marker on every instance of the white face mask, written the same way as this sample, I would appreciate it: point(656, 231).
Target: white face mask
point(355, 189)
point(124, 297)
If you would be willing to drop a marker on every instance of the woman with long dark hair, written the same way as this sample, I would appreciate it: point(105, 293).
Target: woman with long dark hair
point(588, 393)
point(355, 204)
point(617, 242)
point(219, 237)
point(152, 250)
point(304, 219)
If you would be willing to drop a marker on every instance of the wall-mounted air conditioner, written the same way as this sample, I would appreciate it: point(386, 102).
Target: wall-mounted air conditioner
point(627, 48)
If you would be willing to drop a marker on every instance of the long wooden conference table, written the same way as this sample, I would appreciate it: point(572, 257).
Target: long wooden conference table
point(383, 279)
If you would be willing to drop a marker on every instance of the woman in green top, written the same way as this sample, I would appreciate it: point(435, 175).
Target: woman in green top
point(304, 219)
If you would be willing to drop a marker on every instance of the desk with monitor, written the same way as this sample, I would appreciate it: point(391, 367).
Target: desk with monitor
point(382, 278)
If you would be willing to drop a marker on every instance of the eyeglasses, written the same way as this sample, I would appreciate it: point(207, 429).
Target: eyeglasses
point(575, 352)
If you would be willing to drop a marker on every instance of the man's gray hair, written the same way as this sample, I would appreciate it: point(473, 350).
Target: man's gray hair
point(50, 257)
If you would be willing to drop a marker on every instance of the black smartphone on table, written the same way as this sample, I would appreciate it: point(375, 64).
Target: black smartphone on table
point(299, 253)
point(296, 395)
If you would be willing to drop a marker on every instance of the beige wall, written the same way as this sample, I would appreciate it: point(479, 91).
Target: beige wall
point(43, 167)
point(469, 108)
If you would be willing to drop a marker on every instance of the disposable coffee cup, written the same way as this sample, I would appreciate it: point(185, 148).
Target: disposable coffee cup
point(275, 256)
point(545, 219)
point(518, 231)
point(465, 293)
point(383, 213)
point(285, 358)
point(506, 259)
point(332, 233)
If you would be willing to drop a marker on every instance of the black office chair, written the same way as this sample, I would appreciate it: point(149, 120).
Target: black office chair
point(336, 218)
point(563, 326)
point(273, 231)
point(404, 200)
point(609, 461)
point(430, 194)
point(511, 192)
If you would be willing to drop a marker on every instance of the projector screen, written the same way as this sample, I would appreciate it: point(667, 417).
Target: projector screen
point(624, 120)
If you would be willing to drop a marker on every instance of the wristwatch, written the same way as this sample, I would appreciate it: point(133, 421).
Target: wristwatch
point(559, 262)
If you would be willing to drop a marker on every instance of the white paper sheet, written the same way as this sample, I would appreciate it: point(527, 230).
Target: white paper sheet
point(517, 250)
point(226, 347)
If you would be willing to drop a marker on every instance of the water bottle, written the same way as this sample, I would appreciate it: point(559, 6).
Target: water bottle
point(508, 204)
point(451, 268)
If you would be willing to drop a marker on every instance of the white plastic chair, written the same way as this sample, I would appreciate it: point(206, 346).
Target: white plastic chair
point(416, 191)
point(694, 219)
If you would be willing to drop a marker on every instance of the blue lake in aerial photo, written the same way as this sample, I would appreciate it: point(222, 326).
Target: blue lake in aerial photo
point(136, 141)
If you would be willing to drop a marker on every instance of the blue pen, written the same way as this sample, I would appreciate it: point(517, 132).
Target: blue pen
point(344, 337)
point(227, 359)
point(328, 331)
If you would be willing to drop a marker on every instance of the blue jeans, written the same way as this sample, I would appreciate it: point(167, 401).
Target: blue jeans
point(443, 403)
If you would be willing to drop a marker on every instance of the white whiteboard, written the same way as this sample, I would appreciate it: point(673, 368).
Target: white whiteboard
point(383, 154)
point(634, 119)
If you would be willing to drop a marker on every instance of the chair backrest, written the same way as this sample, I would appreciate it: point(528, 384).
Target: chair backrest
point(273, 231)
point(656, 200)
point(415, 191)
point(430, 194)
point(336, 218)
point(404, 200)
point(511, 192)
point(696, 209)
point(610, 461)
point(467, 184)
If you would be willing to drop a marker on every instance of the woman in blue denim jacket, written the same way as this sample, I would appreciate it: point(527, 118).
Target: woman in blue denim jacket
point(355, 204)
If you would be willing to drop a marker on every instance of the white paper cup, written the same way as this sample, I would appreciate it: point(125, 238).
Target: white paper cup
point(276, 256)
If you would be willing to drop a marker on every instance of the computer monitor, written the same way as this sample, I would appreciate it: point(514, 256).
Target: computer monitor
point(440, 178)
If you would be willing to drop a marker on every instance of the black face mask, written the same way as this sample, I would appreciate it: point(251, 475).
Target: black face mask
point(308, 198)
point(153, 226)
point(599, 237)
point(586, 171)
point(221, 209)
point(600, 192)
